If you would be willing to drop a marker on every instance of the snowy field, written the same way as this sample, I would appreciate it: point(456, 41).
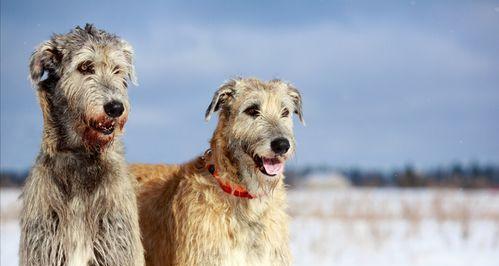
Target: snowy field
point(365, 227)
point(395, 227)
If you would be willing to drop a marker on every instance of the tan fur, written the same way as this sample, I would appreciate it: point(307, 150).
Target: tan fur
point(186, 218)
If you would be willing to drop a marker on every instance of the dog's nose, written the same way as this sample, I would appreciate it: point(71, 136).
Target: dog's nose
point(114, 109)
point(280, 145)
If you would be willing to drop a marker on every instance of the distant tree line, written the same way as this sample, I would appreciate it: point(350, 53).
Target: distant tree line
point(456, 175)
point(12, 178)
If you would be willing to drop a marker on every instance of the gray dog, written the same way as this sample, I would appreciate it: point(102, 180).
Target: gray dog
point(79, 201)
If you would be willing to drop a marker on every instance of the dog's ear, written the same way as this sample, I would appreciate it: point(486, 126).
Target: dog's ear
point(221, 97)
point(129, 55)
point(46, 58)
point(297, 101)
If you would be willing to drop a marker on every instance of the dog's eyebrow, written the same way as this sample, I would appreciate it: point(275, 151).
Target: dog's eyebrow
point(251, 104)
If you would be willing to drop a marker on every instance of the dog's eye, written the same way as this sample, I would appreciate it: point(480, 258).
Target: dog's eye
point(252, 111)
point(86, 68)
point(285, 113)
point(117, 70)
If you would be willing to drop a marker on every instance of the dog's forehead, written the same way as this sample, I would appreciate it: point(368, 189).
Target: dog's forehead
point(98, 51)
point(259, 90)
point(80, 43)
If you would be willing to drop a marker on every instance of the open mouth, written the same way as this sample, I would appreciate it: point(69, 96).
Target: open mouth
point(269, 166)
point(106, 127)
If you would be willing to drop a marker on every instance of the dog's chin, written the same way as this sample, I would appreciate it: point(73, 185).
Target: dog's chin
point(100, 132)
point(269, 167)
point(103, 127)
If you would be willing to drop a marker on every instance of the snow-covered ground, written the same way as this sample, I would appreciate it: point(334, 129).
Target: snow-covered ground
point(365, 227)
point(9, 234)
point(395, 227)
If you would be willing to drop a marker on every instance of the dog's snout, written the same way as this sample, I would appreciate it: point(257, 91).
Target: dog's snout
point(114, 109)
point(280, 145)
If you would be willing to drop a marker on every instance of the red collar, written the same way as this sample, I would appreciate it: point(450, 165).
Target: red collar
point(237, 191)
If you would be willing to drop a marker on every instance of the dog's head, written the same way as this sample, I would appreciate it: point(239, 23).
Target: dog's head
point(255, 128)
point(82, 80)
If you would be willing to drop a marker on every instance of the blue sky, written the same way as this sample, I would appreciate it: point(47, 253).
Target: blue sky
point(384, 84)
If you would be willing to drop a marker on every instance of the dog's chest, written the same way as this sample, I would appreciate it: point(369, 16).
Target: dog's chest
point(79, 232)
point(240, 256)
point(247, 245)
point(85, 226)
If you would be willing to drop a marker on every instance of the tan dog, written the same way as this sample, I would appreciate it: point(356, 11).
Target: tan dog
point(228, 206)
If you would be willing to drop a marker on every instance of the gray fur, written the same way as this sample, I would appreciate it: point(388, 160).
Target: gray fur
point(79, 205)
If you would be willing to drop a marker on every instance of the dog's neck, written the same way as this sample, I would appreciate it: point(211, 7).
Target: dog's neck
point(80, 171)
point(55, 135)
point(221, 158)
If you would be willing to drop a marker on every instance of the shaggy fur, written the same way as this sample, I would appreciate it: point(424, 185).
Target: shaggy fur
point(186, 218)
point(79, 203)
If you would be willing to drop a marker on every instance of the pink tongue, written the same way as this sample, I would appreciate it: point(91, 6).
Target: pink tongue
point(273, 166)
